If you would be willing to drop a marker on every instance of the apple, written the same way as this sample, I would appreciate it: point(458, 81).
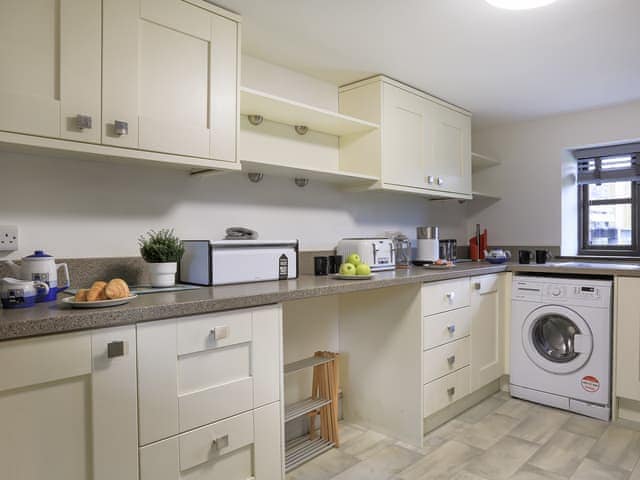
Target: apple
point(363, 269)
point(354, 259)
point(347, 269)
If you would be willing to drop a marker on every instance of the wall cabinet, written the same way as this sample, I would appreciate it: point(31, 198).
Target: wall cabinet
point(627, 328)
point(423, 145)
point(50, 57)
point(156, 79)
point(68, 407)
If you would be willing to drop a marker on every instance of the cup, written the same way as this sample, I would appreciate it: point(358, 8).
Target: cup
point(542, 256)
point(524, 256)
point(334, 263)
point(320, 265)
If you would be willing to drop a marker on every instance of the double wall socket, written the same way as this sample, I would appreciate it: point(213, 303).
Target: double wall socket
point(8, 238)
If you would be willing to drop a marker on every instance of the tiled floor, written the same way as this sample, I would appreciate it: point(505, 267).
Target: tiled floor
point(501, 438)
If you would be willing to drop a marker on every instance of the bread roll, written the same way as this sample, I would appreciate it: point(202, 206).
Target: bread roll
point(96, 292)
point(81, 295)
point(117, 288)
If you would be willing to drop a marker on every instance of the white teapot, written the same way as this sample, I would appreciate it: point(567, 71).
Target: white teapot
point(20, 293)
point(497, 256)
point(41, 267)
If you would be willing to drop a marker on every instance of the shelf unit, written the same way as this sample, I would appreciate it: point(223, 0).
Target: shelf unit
point(328, 176)
point(290, 112)
point(484, 195)
point(323, 402)
point(480, 162)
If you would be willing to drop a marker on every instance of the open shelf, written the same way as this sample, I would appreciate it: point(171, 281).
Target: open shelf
point(305, 363)
point(290, 112)
point(484, 195)
point(329, 176)
point(298, 409)
point(480, 162)
point(302, 450)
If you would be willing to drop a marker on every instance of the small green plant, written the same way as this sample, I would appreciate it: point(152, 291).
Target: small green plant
point(160, 247)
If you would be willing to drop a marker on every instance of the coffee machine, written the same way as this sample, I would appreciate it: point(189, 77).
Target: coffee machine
point(428, 244)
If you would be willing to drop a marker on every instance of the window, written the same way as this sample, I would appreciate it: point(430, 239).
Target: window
point(609, 199)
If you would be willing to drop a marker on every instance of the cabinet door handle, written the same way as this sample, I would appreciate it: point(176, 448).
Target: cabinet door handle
point(477, 285)
point(115, 349)
point(451, 391)
point(120, 128)
point(83, 121)
point(440, 181)
point(451, 359)
point(451, 296)
point(451, 328)
point(220, 442)
point(218, 333)
point(430, 179)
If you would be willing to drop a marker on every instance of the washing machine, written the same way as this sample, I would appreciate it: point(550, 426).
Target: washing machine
point(561, 343)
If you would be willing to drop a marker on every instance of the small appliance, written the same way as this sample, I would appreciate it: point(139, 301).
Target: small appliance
point(41, 267)
point(497, 256)
point(377, 252)
point(428, 244)
point(20, 293)
point(226, 262)
point(402, 245)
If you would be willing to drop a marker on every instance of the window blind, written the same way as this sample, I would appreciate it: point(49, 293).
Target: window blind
point(608, 164)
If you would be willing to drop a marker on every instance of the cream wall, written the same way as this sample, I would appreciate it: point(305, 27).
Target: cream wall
point(536, 167)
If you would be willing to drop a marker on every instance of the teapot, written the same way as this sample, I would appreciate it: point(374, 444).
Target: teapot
point(41, 267)
point(16, 293)
point(497, 256)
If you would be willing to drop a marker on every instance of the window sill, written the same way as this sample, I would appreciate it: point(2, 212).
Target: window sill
point(600, 257)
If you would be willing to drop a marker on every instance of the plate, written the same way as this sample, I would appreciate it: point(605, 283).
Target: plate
point(434, 266)
point(339, 276)
point(98, 303)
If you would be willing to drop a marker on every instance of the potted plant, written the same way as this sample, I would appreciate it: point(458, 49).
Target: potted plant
point(162, 251)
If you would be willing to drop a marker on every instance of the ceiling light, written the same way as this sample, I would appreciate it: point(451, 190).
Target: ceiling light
point(519, 4)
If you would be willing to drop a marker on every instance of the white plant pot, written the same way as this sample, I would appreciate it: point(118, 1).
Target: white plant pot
point(163, 274)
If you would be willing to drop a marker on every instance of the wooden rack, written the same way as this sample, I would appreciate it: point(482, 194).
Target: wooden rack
point(323, 402)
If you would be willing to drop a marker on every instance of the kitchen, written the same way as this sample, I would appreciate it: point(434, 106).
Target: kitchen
point(85, 192)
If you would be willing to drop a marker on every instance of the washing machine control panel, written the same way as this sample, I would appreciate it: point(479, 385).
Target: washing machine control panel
point(586, 292)
point(573, 292)
point(593, 293)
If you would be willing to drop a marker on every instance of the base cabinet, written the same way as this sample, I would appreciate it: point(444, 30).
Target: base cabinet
point(68, 407)
point(627, 331)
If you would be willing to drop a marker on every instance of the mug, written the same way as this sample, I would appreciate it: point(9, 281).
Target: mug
point(524, 256)
point(334, 263)
point(320, 265)
point(542, 256)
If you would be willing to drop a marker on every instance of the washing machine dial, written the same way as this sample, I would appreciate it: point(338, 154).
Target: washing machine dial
point(556, 291)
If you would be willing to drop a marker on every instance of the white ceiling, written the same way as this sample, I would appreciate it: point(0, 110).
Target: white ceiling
point(502, 65)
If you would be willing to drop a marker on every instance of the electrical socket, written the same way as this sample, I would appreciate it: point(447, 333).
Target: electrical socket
point(8, 238)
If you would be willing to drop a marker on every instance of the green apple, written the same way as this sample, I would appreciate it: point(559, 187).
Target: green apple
point(354, 259)
point(363, 269)
point(347, 269)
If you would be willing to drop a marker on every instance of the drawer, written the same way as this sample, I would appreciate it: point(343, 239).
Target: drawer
point(443, 296)
point(443, 392)
point(221, 450)
point(445, 359)
point(204, 332)
point(484, 284)
point(446, 327)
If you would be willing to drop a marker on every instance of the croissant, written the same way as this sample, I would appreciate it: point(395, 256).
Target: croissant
point(96, 292)
point(117, 288)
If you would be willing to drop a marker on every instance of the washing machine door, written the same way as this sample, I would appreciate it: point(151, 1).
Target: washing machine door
point(557, 339)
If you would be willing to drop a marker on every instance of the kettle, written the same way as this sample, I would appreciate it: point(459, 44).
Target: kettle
point(20, 293)
point(40, 267)
point(497, 255)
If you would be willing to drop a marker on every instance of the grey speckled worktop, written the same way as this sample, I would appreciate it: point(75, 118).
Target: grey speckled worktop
point(57, 317)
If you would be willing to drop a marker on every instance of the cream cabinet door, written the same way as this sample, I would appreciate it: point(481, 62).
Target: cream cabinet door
point(68, 407)
point(50, 68)
point(627, 327)
point(448, 149)
point(403, 146)
point(486, 330)
point(170, 74)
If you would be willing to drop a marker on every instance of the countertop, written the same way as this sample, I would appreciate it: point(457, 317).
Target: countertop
point(56, 317)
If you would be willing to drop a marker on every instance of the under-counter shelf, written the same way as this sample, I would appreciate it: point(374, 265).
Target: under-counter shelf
point(290, 112)
point(306, 363)
point(302, 450)
point(480, 162)
point(329, 176)
point(298, 409)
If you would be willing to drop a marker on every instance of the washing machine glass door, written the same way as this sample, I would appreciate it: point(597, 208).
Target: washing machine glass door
point(557, 339)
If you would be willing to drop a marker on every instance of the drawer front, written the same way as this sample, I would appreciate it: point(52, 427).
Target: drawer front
point(484, 284)
point(446, 327)
point(204, 332)
point(445, 359)
point(443, 296)
point(446, 390)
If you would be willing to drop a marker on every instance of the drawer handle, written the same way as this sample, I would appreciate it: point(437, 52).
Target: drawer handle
point(451, 391)
point(115, 349)
point(477, 285)
point(220, 442)
point(83, 121)
point(451, 296)
point(121, 128)
point(218, 333)
point(452, 329)
point(451, 359)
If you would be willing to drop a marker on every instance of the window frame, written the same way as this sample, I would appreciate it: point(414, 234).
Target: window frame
point(583, 223)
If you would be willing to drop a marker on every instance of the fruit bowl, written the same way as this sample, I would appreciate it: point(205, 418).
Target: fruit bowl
point(339, 276)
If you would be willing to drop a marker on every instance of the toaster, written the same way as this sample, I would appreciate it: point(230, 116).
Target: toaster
point(377, 252)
